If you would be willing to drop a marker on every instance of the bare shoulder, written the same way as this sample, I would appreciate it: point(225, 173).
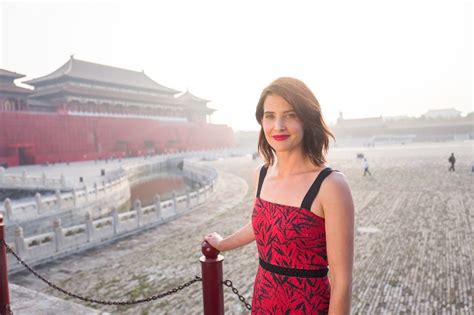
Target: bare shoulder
point(335, 190)
point(256, 175)
point(256, 172)
point(335, 181)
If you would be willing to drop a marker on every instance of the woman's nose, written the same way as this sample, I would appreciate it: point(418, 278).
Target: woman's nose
point(279, 124)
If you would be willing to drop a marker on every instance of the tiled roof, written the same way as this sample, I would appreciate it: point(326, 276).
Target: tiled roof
point(103, 94)
point(14, 89)
point(189, 97)
point(10, 74)
point(94, 72)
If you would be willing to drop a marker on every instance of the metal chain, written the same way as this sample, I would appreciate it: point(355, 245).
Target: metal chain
point(8, 309)
point(228, 283)
point(91, 300)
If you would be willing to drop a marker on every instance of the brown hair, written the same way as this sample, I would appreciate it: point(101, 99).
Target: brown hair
point(316, 133)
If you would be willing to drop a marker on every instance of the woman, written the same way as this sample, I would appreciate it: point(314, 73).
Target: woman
point(303, 217)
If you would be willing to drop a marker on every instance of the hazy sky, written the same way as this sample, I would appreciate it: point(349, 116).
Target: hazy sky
point(363, 58)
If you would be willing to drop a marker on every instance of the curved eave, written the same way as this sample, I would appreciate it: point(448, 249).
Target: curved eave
point(10, 74)
point(166, 91)
point(95, 73)
point(85, 92)
point(188, 97)
point(15, 89)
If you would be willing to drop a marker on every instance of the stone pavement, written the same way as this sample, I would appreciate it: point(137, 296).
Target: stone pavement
point(44, 304)
point(413, 245)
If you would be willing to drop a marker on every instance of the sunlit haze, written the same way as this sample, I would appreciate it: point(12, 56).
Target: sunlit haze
point(361, 58)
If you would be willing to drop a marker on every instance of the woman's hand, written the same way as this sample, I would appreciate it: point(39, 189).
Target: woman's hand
point(215, 240)
point(241, 237)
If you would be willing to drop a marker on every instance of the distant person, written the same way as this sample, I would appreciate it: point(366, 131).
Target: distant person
point(303, 214)
point(452, 160)
point(365, 167)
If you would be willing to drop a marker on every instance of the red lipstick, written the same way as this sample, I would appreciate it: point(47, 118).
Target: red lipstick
point(280, 137)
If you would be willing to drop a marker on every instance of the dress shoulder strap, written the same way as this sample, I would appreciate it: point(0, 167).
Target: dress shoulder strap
point(261, 177)
point(314, 189)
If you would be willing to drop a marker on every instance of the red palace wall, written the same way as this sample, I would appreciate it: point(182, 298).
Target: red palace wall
point(35, 138)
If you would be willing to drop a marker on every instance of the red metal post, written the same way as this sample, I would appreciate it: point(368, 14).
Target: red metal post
point(212, 286)
point(4, 293)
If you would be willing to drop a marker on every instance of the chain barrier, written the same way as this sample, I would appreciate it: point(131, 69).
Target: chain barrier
point(8, 310)
point(96, 301)
point(229, 284)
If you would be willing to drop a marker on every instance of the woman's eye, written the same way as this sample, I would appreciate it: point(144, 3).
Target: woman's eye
point(291, 115)
point(268, 116)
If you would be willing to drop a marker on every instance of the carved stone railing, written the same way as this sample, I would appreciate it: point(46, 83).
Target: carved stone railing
point(116, 185)
point(63, 241)
point(31, 182)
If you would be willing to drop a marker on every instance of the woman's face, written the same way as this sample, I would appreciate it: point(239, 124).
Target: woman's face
point(282, 127)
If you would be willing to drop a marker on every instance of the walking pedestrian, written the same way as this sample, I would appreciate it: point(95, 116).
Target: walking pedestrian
point(452, 160)
point(365, 167)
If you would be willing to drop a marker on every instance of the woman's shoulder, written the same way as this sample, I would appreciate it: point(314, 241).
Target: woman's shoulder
point(256, 173)
point(334, 183)
point(336, 196)
point(258, 169)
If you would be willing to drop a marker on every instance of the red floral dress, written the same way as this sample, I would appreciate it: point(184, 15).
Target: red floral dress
point(293, 238)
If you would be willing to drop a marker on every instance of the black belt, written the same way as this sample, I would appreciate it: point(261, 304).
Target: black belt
point(303, 273)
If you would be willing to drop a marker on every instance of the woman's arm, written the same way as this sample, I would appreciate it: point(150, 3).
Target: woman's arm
point(241, 237)
point(338, 207)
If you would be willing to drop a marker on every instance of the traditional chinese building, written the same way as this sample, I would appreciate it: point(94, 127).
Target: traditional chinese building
point(436, 125)
point(85, 110)
point(12, 97)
